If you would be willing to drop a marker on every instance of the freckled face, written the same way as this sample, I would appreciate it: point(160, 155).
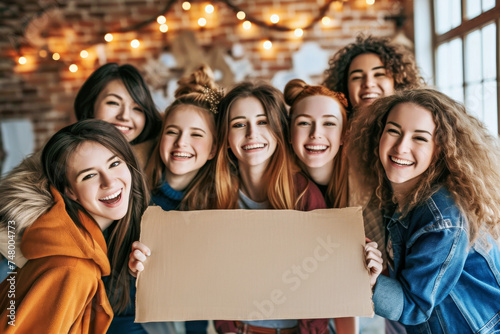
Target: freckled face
point(115, 105)
point(407, 145)
point(100, 182)
point(316, 131)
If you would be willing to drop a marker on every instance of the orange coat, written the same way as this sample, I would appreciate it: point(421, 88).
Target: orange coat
point(60, 289)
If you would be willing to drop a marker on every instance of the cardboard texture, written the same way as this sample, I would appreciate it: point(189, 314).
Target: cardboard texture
point(253, 264)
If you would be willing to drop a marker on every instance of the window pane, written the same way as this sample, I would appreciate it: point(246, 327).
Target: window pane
point(473, 8)
point(489, 51)
point(490, 106)
point(456, 62)
point(448, 15)
point(449, 68)
point(474, 99)
point(488, 4)
point(473, 69)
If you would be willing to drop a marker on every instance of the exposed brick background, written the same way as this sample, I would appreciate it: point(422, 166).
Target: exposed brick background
point(43, 89)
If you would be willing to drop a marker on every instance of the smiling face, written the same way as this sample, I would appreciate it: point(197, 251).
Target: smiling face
point(316, 131)
point(186, 144)
point(100, 182)
point(407, 145)
point(368, 79)
point(250, 137)
point(115, 105)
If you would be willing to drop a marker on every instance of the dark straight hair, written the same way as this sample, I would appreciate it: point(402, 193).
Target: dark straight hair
point(136, 87)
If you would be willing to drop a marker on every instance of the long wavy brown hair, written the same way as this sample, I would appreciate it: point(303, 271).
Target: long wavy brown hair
point(122, 233)
point(192, 91)
point(281, 190)
point(399, 63)
point(337, 189)
point(466, 163)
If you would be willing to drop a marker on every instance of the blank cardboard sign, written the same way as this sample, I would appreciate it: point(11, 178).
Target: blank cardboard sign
point(253, 265)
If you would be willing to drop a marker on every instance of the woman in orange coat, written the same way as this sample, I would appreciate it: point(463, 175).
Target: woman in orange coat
point(97, 187)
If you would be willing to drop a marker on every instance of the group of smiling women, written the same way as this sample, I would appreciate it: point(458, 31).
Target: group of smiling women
point(422, 168)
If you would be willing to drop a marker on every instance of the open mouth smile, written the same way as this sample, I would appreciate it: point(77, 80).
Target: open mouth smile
point(401, 162)
point(253, 147)
point(315, 149)
point(113, 198)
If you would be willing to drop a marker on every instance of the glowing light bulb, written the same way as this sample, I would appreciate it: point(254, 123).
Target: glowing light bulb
point(43, 53)
point(73, 68)
point(267, 45)
point(241, 15)
point(326, 20)
point(275, 18)
point(209, 9)
point(108, 37)
point(161, 19)
point(202, 22)
point(163, 28)
point(370, 2)
point(135, 43)
point(84, 54)
point(247, 25)
point(22, 60)
point(299, 32)
point(56, 56)
point(186, 5)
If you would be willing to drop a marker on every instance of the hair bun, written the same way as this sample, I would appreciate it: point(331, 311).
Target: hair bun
point(196, 82)
point(293, 89)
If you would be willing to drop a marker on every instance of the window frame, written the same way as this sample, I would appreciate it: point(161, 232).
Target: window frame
point(467, 26)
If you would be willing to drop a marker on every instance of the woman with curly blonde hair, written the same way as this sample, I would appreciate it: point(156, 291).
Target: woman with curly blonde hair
point(370, 68)
point(436, 170)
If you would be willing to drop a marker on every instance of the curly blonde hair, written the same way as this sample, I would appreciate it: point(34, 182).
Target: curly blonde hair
point(466, 163)
point(397, 61)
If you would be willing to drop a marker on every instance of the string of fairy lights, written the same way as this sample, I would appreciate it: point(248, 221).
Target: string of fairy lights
point(246, 20)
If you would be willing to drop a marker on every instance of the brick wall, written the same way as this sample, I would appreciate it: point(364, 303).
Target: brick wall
point(43, 89)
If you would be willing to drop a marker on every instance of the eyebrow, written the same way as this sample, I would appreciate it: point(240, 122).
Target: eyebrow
point(244, 117)
point(192, 128)
point(89, 169)
point(399, 126)
point(373, 69)
point(309, 116)
point(115, 95)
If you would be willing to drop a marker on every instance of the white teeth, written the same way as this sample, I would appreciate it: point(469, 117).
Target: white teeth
point(122, 128)
point(401, 161)
point(182, 155)
point(316, 147)
point(370, 96)
point(115, 195)
point(253, 146)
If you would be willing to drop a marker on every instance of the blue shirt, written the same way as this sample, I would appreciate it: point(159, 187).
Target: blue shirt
point(438, 284)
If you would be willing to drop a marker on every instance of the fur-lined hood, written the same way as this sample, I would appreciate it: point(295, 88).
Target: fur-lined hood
point(25, 196)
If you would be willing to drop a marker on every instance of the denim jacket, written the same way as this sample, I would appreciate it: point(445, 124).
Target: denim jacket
point(438, 283)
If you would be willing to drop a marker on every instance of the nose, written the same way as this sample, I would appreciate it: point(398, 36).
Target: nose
point(251, 131)
point(314, 132)
point(124, 113)
point(402, 145)
point(369, 81)
point(181, 140)
point(107, 180)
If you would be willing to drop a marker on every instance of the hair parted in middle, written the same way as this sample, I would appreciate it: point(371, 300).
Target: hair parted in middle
point(122, 233)
point(199, 90)
point(397, 61)
point(281, 190)
point(295, 91)
point(466, 163)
